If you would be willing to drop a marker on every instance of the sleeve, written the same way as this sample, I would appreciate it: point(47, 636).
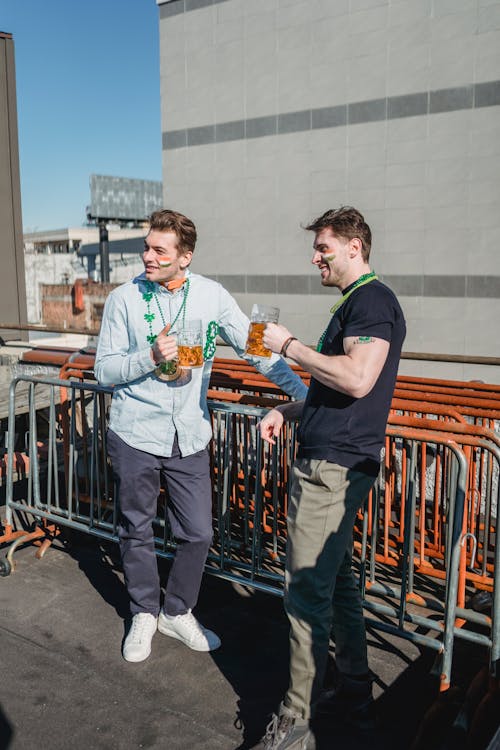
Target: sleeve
point(233, 329)
point(370, 314)
point(115, 363)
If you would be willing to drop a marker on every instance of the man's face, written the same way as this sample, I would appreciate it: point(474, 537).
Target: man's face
point(161, 258)
point(331, 256)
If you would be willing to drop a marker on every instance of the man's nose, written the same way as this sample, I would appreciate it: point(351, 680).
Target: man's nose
point(316, 257)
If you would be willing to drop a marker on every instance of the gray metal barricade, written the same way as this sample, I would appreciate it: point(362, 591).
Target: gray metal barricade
point(418, 563)
point(73, 487)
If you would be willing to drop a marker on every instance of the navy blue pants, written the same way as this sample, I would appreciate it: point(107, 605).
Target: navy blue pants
point(189, 508)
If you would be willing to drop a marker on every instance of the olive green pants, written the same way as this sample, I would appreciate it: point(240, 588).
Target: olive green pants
point(321, 592)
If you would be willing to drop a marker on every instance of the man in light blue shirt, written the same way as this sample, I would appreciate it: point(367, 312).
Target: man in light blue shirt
point(160, 426)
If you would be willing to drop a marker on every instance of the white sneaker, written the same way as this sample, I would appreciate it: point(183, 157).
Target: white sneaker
point(137, 645)
point(187, 629)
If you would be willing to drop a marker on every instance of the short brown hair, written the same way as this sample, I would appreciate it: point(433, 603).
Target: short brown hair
point(166, 220)
point(347, 222)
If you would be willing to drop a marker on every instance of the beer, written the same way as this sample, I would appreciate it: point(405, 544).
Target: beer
point(190, 344)
point(254, 341)
point(190, 356)
point(261, 315)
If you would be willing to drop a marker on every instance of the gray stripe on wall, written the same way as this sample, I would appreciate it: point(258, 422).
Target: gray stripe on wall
point(373, 110)
point(482, 287)
point(256, 127)
point(472, 287)
point(412, 105)
point(200, 136)
point(487, 94)
point(450, 100)
point(175, 7)
point(329, 117)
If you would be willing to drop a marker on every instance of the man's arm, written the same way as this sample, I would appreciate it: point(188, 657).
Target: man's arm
point(354, 373)
point(234, 330)
point(114, 363)
point(272, 423)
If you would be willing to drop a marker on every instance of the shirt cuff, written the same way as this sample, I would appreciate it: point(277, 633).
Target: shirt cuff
point(145, 361)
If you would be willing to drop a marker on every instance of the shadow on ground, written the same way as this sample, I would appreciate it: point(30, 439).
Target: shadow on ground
point(253, 662)
point(6, 731)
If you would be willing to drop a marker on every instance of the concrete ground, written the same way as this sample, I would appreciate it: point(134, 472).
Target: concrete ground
point(65, 685)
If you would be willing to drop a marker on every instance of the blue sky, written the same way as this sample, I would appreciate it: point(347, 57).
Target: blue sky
point(88, 100)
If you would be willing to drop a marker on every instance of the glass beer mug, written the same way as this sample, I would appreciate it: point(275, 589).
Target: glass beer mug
point(261, 315)
point(190, 344)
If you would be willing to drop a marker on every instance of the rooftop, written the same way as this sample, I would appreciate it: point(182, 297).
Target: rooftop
point(63, 620)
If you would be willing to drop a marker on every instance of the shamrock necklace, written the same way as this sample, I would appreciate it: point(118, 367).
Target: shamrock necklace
point(364, 279)
point(165, 370)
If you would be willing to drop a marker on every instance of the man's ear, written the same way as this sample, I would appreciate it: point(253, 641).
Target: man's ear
point(355, 247)
point(185, 259)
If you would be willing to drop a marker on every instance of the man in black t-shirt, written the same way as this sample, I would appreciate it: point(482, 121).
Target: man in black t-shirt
point(341, 434)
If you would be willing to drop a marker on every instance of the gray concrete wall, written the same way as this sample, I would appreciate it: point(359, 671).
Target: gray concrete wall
point(275, 110)
point(12, 288)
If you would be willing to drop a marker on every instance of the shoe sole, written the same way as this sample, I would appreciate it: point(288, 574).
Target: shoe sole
point(165, 631)
point(136, 661)
point(306, 743)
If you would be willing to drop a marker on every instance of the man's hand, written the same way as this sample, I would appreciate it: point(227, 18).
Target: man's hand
point(165, 347)
point(275, 336)
point(270, 426)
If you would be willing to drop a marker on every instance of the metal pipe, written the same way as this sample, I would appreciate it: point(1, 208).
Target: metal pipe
point(104, 251)
point(425, 356)
point(48, 329)
point(461, 358)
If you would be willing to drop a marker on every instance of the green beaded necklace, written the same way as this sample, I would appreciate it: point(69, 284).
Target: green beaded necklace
point(211, 335)
point(364, 279)
point(212, 328)
point(149, 316)
point(165, 370)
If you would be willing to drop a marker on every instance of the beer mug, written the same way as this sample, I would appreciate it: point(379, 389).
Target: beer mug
point(190, 344)
point(261, 315)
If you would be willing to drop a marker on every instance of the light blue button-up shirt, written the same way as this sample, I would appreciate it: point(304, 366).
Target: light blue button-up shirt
point(145, 411)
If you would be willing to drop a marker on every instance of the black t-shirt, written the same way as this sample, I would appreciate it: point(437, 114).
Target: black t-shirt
point(342, 429)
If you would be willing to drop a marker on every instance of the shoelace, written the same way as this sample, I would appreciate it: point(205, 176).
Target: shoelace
point(278, 728)
point(138, 627)
point(193, 624)
point(271, 728)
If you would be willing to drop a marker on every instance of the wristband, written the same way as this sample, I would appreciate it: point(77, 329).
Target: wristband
point(287, 343)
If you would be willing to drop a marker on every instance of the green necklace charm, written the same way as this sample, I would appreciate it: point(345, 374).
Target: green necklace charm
point(364, 279)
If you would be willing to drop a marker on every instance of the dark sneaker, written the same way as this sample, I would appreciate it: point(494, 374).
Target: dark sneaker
point(351, 701)
point(287, 732)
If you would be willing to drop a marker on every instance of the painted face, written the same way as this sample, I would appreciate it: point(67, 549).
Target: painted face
point(331, 256)
point(161, 258)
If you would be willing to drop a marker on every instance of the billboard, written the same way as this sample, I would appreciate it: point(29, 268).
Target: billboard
point(122, 198)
